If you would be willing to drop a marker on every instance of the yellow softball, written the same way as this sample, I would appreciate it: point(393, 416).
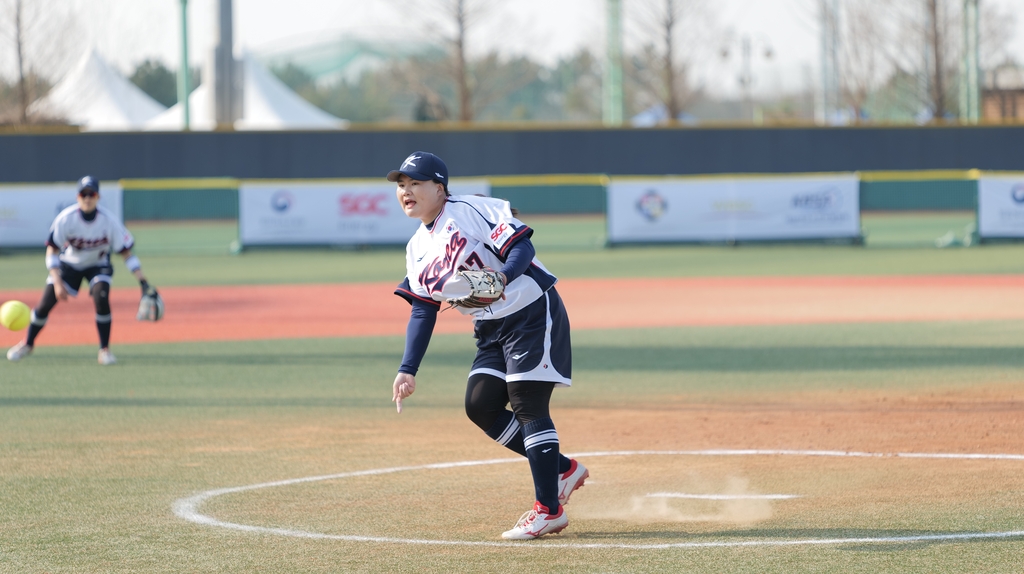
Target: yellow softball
point(15, 315)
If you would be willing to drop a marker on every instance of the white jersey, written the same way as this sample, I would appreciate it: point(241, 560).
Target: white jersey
point(85, 244)
point(471, 232)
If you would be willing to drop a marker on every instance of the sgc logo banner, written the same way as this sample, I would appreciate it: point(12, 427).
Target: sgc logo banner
point(341, 212)
point(365, 203)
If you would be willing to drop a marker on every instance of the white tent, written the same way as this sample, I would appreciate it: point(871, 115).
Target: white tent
point(96, 97)
point(267, 104)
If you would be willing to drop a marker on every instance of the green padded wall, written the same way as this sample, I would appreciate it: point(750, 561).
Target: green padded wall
point(928, 195)
point(554, 199)
point(175, 204)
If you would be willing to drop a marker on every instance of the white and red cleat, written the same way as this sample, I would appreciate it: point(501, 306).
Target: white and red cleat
point(105, 357)
point(536, 523)
point(570, 480)
point(19, 352)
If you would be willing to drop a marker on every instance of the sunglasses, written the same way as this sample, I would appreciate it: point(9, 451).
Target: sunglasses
point(88, 193)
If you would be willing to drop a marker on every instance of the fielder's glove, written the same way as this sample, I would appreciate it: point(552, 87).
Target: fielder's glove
point(485, 287)
point(151, 307)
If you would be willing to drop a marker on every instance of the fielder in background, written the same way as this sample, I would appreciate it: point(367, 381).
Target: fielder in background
point(82, 237)
point(520, 325)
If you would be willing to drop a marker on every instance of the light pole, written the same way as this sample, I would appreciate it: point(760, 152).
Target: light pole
point(613, 65)
point(183, 71)
point(226, 88)
point(970, 104)
point(828, 110)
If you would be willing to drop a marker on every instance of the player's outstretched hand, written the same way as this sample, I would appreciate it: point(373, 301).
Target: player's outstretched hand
point(405, 385)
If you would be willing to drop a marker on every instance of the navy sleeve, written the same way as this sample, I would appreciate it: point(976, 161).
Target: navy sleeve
point(522, 234)
point(519, 259)
point(404, 290)
point(417, 335)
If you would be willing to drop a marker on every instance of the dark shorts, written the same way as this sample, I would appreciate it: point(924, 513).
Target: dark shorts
point(73, 277)
point(531, 344)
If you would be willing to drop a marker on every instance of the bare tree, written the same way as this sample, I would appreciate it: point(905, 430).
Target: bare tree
point(421, 74)
point(936, 30)
point(661, 69)
point(17, 33)
point(477, 80)
point(453, 20)
point(41, 33)
point(924, 40)
point(997, 32)
point(459, 14)
point(863, 59)
point(19, 44)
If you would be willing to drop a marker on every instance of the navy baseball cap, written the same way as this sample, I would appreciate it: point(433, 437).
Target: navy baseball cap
point(422, 166)
point(88, 182)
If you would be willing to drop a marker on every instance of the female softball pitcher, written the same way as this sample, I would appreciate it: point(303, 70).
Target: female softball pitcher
point(522, 335)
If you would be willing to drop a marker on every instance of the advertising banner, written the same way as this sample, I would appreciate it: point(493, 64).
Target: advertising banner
point(1001, 205)
point(27, 210)
point(733, 209)
point(328, 212)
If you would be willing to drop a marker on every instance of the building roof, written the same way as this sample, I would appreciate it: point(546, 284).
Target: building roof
point(267, 104)
point(96, 97)
point(1008, 76)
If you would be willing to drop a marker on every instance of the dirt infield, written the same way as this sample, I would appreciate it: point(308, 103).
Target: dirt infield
point(369, 309)
point(109, 453)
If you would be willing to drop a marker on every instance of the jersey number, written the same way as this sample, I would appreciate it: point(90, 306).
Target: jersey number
point(473, 259)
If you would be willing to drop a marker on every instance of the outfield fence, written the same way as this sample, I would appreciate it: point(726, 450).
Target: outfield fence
point(180, 199)
point(939, 191)
point(217, 198)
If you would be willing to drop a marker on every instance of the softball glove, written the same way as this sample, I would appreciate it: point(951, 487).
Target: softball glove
point(151, 307)
point(486, 286)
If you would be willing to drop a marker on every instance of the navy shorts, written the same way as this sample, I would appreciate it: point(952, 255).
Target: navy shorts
point(531, 344)
point(73, 277)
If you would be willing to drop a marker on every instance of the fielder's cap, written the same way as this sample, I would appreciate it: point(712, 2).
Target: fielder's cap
point(422, 166)
point(88, 182)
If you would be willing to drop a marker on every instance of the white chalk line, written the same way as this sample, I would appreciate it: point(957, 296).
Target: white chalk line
point(721, 496)
point(188, 508)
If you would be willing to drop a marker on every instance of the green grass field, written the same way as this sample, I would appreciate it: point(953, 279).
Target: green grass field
point(94, 459)
point(199, 253)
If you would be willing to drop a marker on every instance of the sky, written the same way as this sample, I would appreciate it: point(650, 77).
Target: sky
point(126, 32)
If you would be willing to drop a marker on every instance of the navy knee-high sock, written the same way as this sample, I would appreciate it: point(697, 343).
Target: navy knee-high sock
point(506, 432)
point(541, 442)
point(103, 328)
point(40, 314)
point(34, 328)
point(101, 299)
